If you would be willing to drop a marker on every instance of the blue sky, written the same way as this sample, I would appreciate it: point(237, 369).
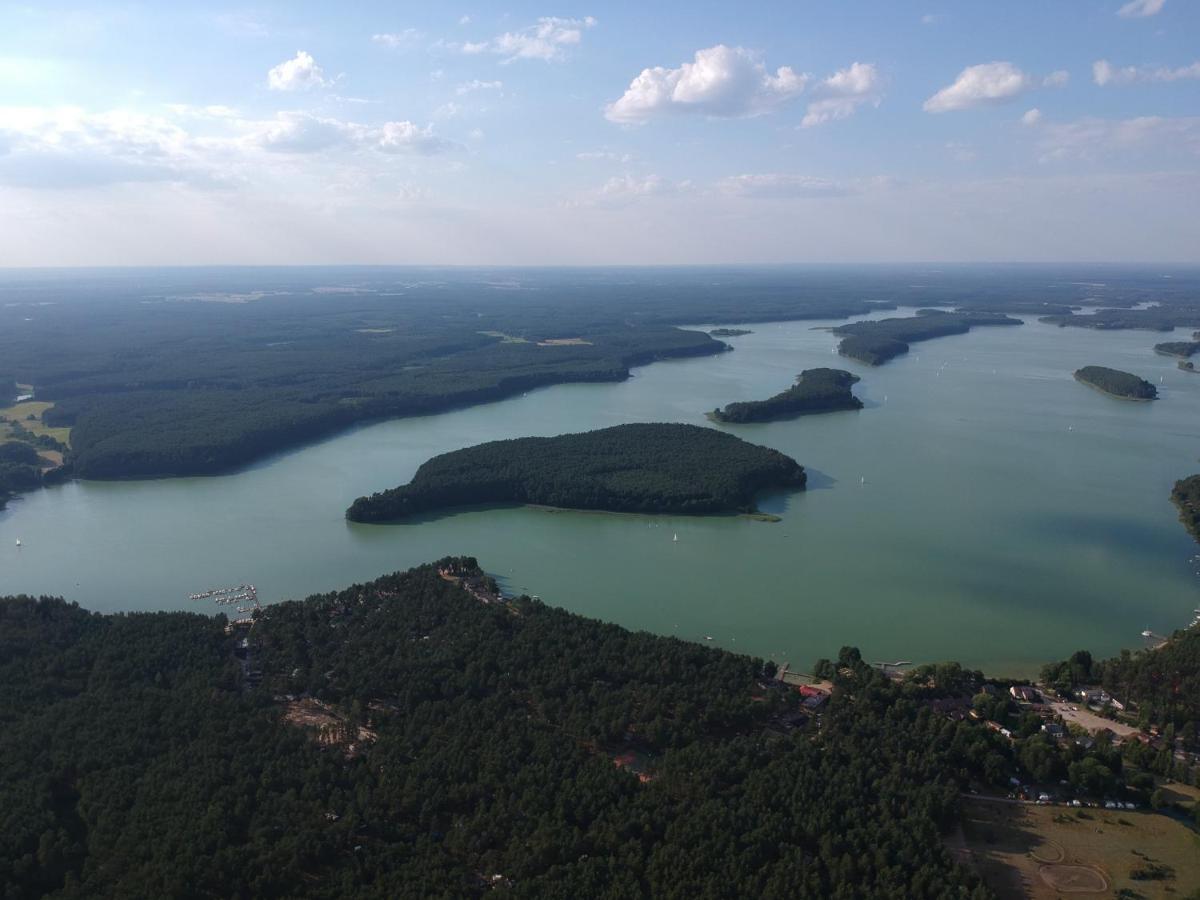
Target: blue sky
point(570, 133)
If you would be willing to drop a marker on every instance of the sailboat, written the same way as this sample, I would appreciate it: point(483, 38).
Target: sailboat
point(675, 538)
point(18, 542)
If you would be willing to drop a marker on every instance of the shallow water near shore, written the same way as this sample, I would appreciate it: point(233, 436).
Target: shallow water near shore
point(983, 507)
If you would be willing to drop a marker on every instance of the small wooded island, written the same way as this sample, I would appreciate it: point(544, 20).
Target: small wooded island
point(875, 342)
point(730, 332)
point(815, 391)
point(1116, 383)
point(645, 468)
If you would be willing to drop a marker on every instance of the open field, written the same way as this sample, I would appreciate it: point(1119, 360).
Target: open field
point(1025, 851)
point(21, 412)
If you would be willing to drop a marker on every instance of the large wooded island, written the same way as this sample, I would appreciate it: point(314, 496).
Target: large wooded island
point(647, 468)
point(1116, 383)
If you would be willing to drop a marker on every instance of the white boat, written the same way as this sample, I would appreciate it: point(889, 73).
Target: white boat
point(18, 542)
point(675, 538)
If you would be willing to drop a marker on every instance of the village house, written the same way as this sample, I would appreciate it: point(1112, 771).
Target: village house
point(1024, 693)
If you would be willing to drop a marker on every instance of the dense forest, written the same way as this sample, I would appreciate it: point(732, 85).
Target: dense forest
point(1182, 349)
point(200, 370)
point(730, 332)
point(20, 469)
point(1186, 496)
point(815, 391)
point(648, 468)
point(875, 342)
point(1164, 316)
point(1116, 383)
point(462, 746)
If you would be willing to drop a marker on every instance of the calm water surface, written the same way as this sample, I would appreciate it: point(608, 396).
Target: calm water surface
point(983, 507)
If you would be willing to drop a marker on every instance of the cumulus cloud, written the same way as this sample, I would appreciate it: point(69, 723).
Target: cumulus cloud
point(398, 40)
point(547, 40)
point(1031, 117)
point(779, 186)
point(1105, 73)
point(721, 81)
point(1140, 9)
point(477, 85)
point(299, 73)
point(302, 132)
point(68, 147)
point(982, 85)
point(842, 93)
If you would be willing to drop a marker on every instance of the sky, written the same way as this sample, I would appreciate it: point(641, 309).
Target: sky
point(544, 133)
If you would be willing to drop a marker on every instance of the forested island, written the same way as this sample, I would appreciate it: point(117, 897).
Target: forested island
point(876, 342)
point(730, 332)
point(1186, 496)
point(1182, 349)
point(645, 468)
point(1116, 383)
point(815, 391)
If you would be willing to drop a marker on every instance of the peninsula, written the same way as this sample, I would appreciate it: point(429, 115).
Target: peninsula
point(875, 342)
point(815, 391)
point(1186, 496)
point(1182, 349)
point(646, 468)
point(1116, 383)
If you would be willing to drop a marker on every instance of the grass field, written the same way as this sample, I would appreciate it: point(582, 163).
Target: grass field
point(1025, 851)
point(21, 413)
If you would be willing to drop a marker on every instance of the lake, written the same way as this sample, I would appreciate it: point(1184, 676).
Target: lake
point(983, 507)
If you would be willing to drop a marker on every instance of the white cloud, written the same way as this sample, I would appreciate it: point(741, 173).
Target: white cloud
point(604, 156)
point(301, 132)
point(477, 85)
point(1104, 73)
point(720, 81)
point(1031, 117)
point(982, 85)
point(842, 93)
point(780, 186)
point(1056, 79)
point(547, 40)
point(622, 190)
point(1140, 9)
point(68, 147)
point(960, 151)
point(301, 72)
point(464, 20)
point(405, 137)
point(1093, 138)
point(930, 19)
point(398, 40)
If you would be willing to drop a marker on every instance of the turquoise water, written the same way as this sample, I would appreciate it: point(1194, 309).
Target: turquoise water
point(983, 507)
